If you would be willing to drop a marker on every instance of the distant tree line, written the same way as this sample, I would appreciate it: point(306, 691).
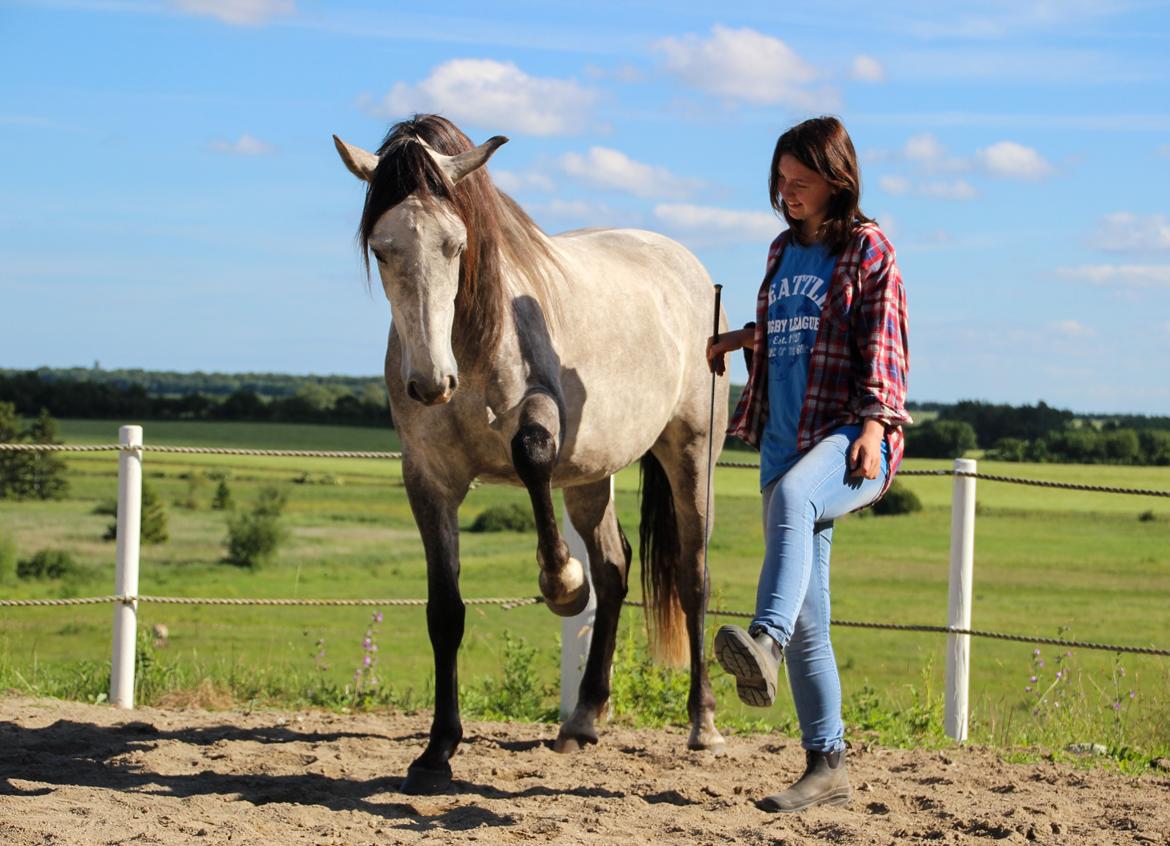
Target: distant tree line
point(1040, 433)
point(310, 400)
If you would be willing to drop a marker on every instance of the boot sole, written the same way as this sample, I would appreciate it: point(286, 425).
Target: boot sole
point(837, 796)
point(739, 659)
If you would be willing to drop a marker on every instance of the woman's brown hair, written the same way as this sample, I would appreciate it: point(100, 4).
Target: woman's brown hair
point(822, 144)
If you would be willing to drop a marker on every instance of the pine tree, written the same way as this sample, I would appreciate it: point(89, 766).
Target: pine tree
point(46, 471)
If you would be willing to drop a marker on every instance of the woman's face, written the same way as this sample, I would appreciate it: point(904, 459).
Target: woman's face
point(805, 193)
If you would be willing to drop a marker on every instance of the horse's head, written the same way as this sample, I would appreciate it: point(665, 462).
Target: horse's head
point(416, 234)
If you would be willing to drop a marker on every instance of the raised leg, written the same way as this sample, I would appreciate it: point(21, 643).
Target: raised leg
point(534, 455)
point(685, 463)
point(592, 511)
point(436, 513)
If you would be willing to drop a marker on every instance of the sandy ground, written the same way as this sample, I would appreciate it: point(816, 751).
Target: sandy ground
point(79, 774)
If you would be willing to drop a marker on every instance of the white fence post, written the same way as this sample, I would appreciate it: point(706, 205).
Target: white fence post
point(959, 604)
point(577, 632)
point(126, 573)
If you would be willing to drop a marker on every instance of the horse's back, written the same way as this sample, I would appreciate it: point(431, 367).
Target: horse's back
point(636, 312)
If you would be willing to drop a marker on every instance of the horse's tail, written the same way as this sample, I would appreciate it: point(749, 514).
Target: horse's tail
point(659, 548)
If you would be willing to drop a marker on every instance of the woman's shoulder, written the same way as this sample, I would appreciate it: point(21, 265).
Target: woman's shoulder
point(871, 242)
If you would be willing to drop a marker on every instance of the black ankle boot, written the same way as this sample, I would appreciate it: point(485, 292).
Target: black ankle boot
point(825, 782)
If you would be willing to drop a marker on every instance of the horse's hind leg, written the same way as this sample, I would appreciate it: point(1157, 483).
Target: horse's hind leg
point(436, 512)
point(685, 463)
point(591, 509)
point(534, 454)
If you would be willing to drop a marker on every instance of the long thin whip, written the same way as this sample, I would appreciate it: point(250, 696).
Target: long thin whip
point(711, 442)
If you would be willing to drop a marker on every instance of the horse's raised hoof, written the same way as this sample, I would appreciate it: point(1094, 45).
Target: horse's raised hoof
point(425, 781)
point(575, 742)
point(565, 593)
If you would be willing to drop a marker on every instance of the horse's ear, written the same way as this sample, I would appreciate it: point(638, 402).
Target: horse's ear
point(457, 167)
point(360, 163)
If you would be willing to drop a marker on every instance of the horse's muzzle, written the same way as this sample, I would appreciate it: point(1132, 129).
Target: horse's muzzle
point(432, 395)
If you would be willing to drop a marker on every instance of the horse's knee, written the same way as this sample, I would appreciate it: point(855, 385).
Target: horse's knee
point(534, 452)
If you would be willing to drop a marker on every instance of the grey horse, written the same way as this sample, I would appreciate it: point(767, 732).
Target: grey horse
point(524, 359)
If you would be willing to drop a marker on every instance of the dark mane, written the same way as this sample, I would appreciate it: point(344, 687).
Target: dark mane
point(498, 230)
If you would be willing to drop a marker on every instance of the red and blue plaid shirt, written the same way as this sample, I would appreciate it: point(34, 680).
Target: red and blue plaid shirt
point(860, 359)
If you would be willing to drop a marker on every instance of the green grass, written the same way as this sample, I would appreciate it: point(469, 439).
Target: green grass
point(1047, 562)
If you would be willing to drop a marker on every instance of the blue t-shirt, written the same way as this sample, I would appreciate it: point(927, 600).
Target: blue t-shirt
point(796, 294)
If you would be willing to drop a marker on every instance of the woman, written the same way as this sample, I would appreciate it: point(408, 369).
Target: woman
point(824, 404)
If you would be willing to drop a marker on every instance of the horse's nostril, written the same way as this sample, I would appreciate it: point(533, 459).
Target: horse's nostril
point(452, 383)
point(412, 391)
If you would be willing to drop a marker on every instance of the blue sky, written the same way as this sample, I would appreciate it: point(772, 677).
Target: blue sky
point(170, 197)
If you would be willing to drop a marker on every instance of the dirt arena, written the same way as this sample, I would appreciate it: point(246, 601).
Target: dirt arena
point(79, 774)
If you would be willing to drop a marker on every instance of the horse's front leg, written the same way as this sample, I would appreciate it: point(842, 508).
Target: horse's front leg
point(436, 513)
point(534, 454)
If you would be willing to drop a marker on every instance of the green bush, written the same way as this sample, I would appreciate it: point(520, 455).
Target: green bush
point(253, 536)
point(899, 499)
point(223, 497)
point(47, 564)
point(504, 518)
point(154, 519)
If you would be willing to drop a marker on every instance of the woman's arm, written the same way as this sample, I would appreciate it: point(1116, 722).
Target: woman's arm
point(726, 342)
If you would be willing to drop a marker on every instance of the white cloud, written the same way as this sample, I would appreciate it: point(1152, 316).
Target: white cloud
point(896, 185)
point(1071, 329)
point(958, 189)
point(607, 168)
point(239, 12)
point(1121, 275)
point(710, 224)
point(627, 73)
point(245, 145)
point(1015, 161)
point(1128, 232)
point(742, 64)
point(868, 69)
point(923, 148)
point(514, 182)
point(582, 213)
point(494, 95)
point(928, 153)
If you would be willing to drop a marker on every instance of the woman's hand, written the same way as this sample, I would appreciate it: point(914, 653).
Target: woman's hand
point(865, 454)
point(726, 342)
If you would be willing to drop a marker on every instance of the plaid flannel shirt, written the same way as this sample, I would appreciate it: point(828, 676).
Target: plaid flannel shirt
point(860, 359)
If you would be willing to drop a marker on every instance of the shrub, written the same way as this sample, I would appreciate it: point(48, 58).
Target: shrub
point(254, 536)
point(504, 518)
point(47, 564)
point(1147, 517)
point(899, 499)
point(222, 501)
point(154, 519)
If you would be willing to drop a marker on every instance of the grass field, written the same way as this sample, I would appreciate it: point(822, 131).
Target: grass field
point(1078, 565)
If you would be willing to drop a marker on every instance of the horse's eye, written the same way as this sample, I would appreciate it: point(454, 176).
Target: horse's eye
point(452, 247)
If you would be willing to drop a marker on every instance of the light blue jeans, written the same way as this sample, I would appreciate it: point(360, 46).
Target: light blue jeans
point(792, 600)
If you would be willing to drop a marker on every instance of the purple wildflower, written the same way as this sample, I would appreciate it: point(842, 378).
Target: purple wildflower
point(1033, 679)
point(377, 616)
point(1036, 652)
point(367, 643)
point(367, 661)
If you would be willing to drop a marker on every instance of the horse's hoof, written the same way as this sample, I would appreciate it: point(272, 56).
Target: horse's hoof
point(709, 740)
point(423, 781)
point(566, 593)
point(568, 743)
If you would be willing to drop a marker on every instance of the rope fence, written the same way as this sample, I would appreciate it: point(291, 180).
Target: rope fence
point(125, 599)
point(397, 456)
point(509, 604)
